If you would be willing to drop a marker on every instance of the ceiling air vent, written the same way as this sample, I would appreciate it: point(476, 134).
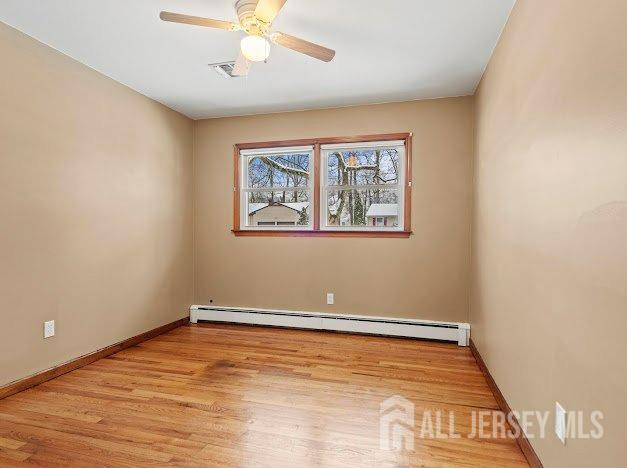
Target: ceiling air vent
point(224, 69)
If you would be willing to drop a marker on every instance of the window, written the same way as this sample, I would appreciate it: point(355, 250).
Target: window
point(276, 188)
point(362, 186)
point(329, 186)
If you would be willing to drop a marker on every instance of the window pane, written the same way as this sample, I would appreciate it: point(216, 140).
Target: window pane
point(363, 208)
point(278, 208)
point(363, 167)
point(280, 170)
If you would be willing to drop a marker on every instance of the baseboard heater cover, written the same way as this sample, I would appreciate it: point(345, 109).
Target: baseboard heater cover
point(446, 331)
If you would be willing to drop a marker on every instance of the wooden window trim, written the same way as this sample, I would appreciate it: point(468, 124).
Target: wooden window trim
point(316, 143)
point(316, 187)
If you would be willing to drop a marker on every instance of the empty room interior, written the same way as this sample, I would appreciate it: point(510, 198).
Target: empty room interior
point(313, 233)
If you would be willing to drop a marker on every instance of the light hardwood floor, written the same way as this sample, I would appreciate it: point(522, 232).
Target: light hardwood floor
point(228, 395)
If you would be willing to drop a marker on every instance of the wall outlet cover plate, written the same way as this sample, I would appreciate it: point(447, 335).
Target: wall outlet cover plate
point(49, 329)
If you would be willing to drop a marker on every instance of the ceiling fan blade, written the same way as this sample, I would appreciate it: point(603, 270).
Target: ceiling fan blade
point(267, 10)
point(303, 46)
point(198, 21)
point(242, 66)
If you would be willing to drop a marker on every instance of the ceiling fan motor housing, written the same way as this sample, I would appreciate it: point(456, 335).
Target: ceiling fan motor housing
point(246, 14)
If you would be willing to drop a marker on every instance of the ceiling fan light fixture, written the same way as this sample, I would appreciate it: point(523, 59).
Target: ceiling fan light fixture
point(255, 48)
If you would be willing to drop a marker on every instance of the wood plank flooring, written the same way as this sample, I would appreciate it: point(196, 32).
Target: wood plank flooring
point(229, 395)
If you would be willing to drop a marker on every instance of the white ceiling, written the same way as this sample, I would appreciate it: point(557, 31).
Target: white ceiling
point(387, 50)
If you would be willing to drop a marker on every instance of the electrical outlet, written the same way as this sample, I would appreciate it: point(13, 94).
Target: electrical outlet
point(49, 329)
point(560, 422)
point(330, 298)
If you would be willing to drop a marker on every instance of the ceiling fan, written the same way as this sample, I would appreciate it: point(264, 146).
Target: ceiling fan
point(255, 19)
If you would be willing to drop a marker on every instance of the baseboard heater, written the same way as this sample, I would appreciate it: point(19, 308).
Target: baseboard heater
point(446, 331)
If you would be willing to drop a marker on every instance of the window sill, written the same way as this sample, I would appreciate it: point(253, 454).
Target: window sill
point(305, 233)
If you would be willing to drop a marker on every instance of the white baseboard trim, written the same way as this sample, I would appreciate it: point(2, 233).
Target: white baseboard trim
point(446, 331)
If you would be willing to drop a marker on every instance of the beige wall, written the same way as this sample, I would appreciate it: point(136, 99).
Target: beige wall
point(425, 276)
point(95, 209)
point(549, 302)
